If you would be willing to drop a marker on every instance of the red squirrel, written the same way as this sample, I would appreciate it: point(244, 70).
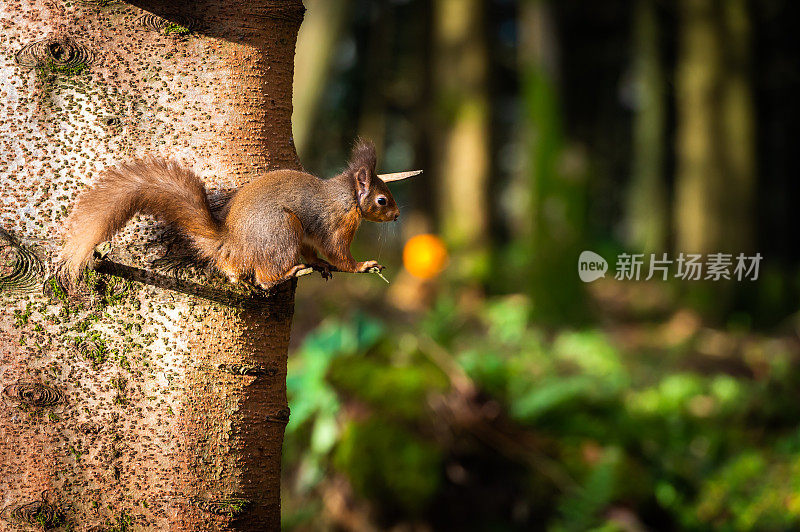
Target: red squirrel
point(272, 224)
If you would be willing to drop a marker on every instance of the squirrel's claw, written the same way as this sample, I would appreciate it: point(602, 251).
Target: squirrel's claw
point(323, 268)
point(370, 266)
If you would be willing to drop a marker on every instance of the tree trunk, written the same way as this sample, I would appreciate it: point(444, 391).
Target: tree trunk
point(557, 173)
point(316, 46)
point(716, 162)
point(647, 218)
point(461, 79)
point(136, 404)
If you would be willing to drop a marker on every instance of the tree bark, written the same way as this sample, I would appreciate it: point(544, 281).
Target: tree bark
point(715, 146)
point(647, 217)
point(316, 47)
point(557, 175)
point(134, 404)
point(461, 78)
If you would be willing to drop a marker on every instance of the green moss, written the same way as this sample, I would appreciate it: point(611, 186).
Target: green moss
point(21, 317)
point(48, 517)
point(230, 507)
point(123, 523)
point(49, 68)
point(100, 3)
point(175, 29)
point(58, 290)
point(92, 345)
point(387, 463)
point(120, 386)
point(75, 452)
point(123, 362)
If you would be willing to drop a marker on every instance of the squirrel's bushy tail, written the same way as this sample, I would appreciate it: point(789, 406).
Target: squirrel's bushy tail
point(150, 186)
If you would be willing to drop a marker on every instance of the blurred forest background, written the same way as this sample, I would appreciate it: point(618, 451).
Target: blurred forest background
point(504, 393)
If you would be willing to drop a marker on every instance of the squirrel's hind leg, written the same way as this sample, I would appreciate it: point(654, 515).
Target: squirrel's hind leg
point(310, 256)
point(266, 276)
point(229, 272)
point(283, 256)
point(226, 265)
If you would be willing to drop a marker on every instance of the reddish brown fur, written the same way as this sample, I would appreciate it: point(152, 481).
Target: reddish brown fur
point(341, 239)
point(362, 156)
point(151, 186)
point(270, 224)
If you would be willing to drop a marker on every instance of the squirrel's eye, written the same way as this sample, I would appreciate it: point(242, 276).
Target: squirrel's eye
point(382, 201)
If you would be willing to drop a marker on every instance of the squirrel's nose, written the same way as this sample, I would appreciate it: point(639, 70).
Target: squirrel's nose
point(396, 216)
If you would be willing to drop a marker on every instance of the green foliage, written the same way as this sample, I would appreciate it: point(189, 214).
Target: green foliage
point(582, 510)
point(443, 322)
point(612, 428)
point(753, 492)
point(313, 401)
point(389, 464)
point(398, 391)
point(306, 384)
point(582, 369)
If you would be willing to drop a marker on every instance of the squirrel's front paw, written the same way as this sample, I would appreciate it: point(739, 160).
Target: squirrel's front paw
point(323, 268)
point(369, 265)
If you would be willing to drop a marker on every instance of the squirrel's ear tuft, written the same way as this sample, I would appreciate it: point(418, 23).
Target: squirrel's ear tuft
point(363, 156)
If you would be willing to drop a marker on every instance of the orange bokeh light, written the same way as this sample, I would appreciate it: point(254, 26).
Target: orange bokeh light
point(425, 256)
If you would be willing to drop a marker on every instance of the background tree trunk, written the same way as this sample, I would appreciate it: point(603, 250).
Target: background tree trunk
point(316, 48)
point(556, 171)
point(647, 218)
point(460, 76)
point(715, 145)
point(137, 404)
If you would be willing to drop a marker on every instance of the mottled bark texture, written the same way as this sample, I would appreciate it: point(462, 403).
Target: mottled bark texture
point(132, 404)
